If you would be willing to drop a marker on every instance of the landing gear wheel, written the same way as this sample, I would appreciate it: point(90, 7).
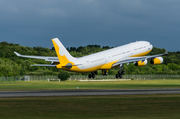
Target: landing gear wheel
point(89, 75)
point(120, 76)
point(93, 76)
point(119, 72)
point(96, 72)
point(117, 76)
point(123, 72)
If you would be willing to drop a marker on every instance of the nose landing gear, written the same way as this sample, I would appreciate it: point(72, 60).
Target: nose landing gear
point(93, 74)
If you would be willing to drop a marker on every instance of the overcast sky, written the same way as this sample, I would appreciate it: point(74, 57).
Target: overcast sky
point(83, 22)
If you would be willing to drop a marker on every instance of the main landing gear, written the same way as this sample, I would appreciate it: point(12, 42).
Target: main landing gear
point(120, 73)
point(104, 72)
point(92, 75)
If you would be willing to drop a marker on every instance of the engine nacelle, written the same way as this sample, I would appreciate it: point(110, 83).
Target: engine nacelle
point(157, 60)
point(140, 63)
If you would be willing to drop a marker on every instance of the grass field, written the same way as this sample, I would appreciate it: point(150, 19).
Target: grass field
point(96, 107)
point(79, 107)
point(72, 85)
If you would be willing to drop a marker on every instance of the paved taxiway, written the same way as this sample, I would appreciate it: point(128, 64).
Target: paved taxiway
point(86, 92)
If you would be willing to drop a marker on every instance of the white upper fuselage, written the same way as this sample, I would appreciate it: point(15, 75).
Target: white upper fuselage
point(134, 49)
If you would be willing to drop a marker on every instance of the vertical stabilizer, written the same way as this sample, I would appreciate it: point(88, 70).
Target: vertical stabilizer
point(63, 55)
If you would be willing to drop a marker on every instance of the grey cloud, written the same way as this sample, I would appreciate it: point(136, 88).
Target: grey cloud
point(83, 22)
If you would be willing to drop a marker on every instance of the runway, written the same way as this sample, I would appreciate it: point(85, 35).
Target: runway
point(86, 92)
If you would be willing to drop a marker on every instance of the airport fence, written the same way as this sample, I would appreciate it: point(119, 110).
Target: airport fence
point(77, 77)
point(128, 77)
point(29, 78)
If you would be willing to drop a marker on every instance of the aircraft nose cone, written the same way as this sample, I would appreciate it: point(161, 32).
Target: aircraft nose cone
point(151, 47)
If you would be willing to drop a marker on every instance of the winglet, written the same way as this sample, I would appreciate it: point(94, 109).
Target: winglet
point(166, 52)
point(17, 53)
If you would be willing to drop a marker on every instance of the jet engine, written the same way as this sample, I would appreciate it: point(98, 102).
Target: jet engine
point(157, 60)
point(140, 63)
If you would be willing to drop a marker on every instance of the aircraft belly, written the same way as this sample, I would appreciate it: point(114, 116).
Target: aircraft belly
point(89, 69)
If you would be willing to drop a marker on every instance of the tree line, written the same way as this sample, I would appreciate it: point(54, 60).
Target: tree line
point(11, 65)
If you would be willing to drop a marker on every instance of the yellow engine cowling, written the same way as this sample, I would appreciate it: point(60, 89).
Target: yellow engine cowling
point(157, 60)
point(140, 63)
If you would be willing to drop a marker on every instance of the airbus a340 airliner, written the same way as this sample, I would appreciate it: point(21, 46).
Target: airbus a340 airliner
point(131, 53)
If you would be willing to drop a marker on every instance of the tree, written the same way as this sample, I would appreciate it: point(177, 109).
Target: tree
point(63, 75)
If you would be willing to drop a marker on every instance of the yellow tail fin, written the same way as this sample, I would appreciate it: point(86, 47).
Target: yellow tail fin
point(65, 59)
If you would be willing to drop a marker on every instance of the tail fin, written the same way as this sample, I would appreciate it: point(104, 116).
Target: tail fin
point(63, 55)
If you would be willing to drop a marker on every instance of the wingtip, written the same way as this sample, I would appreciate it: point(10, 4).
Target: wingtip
point(166, 52)
point(17, 53)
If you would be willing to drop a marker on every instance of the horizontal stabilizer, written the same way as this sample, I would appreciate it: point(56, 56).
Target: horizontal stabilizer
point(49, 65)
point(17, 54)
point(46, 58)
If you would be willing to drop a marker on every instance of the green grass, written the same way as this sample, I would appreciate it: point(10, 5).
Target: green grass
point(107, 107)
point(97, 107)
point(72, 85)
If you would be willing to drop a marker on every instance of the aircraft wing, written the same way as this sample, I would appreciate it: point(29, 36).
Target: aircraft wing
point(51, 59)
point(136, 59)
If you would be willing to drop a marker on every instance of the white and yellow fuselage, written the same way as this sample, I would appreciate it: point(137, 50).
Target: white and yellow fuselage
point(101, 60)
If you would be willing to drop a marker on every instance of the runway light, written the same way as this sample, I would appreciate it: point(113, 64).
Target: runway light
point(77, 87)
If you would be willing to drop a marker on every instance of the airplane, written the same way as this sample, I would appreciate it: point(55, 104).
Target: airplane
point(130, 53)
